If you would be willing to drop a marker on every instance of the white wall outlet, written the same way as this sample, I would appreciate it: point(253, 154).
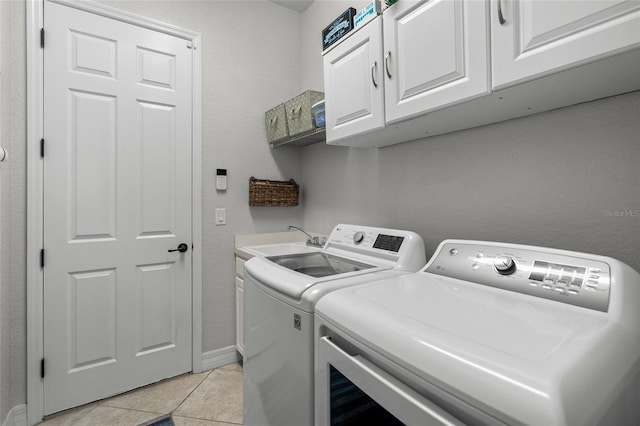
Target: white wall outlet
point(221, 217)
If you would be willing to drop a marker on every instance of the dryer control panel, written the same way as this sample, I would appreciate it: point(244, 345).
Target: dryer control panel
point(567, 277)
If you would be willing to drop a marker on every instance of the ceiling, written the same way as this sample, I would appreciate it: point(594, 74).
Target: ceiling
point(297, 5)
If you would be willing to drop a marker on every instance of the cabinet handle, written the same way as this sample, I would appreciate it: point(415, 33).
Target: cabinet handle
point(500, 15)
point(386, 63)
point(373, 77)
point(273, 121)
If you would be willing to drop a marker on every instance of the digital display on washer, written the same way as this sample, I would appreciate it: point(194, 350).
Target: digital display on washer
point(388, 242)
point(557, 272)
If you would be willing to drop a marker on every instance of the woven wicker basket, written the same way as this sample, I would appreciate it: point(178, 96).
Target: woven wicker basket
point(273, 193)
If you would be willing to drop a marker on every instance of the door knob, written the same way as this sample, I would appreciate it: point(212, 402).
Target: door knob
point(181, 248)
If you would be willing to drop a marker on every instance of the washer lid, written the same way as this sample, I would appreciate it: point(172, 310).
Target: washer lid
point(292, 275)
point(319, 264)
point(511, 355)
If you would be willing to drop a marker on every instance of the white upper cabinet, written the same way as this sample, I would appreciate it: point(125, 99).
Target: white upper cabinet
point(534, 38)
point(435, 54)
point(428, 67)
point(353, 84)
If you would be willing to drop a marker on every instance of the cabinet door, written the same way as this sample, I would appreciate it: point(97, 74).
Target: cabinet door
point(353, 85)
point(435, 55)
point(240, 315)
point(537, 38)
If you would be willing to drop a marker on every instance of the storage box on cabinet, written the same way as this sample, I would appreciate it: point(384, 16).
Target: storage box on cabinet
point(300, 118)
point(275, 121)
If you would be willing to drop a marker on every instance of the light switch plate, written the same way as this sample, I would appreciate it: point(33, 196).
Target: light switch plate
point(221, 217)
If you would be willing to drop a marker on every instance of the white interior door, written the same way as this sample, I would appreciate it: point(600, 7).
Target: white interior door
point(117, 200)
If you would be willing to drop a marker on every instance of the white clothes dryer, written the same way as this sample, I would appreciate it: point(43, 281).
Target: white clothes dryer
point(487, 333)
point(280, 295)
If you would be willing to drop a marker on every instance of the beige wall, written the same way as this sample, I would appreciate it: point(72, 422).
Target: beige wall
point(556, 179)
point(250, 63)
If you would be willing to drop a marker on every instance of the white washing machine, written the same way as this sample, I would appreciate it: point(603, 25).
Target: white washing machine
point(487, 333)
point(280, 295)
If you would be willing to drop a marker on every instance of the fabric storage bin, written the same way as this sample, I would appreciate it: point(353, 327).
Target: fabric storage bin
point(275, 121)
point(298, 111)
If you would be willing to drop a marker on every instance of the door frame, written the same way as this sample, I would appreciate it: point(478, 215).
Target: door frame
point(35, 188)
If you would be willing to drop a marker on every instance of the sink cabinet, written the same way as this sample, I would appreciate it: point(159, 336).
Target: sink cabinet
point(239, 285)
point(248, 246)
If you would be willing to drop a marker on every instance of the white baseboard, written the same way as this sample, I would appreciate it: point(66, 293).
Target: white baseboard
point(17, 416)
point(219, 357)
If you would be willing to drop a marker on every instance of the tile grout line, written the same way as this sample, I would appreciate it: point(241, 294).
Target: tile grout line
point(101, 403)
point(202, 418)
point(208, 420)
point(192, 391)
point(84, 415)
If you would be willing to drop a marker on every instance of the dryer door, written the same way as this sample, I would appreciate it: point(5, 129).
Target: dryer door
point(350, 390)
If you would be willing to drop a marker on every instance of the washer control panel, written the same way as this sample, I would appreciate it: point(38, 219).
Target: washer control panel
point(366, 238)
point(396, 248)
point(567, 278)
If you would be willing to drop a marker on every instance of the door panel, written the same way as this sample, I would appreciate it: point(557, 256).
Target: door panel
point(544, 37)
point(157, 314)
point(354, 100)
point(419, 72)
point(92, 171)
point(157, 171)
point(92, 54)
point(435, 55)
point(156, 68)
point(92, 318)
point(117, 185)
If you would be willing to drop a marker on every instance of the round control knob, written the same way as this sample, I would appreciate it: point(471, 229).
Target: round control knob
point(358, 237)
point(505, 265)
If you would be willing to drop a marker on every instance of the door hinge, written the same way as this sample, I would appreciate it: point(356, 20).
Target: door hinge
point(42, 258)
point(42, 148)
point(42, 38)
point(42, 368)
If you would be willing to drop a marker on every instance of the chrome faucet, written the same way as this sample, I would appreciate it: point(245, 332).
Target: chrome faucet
point(312, 240)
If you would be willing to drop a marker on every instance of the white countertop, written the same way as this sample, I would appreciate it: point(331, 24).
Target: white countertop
point(269, 244)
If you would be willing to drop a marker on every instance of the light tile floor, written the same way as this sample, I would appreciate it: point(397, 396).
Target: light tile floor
point(211, 398)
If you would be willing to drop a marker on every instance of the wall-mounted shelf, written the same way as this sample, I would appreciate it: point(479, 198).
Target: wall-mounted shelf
point(293, 123)
point(303, 139)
